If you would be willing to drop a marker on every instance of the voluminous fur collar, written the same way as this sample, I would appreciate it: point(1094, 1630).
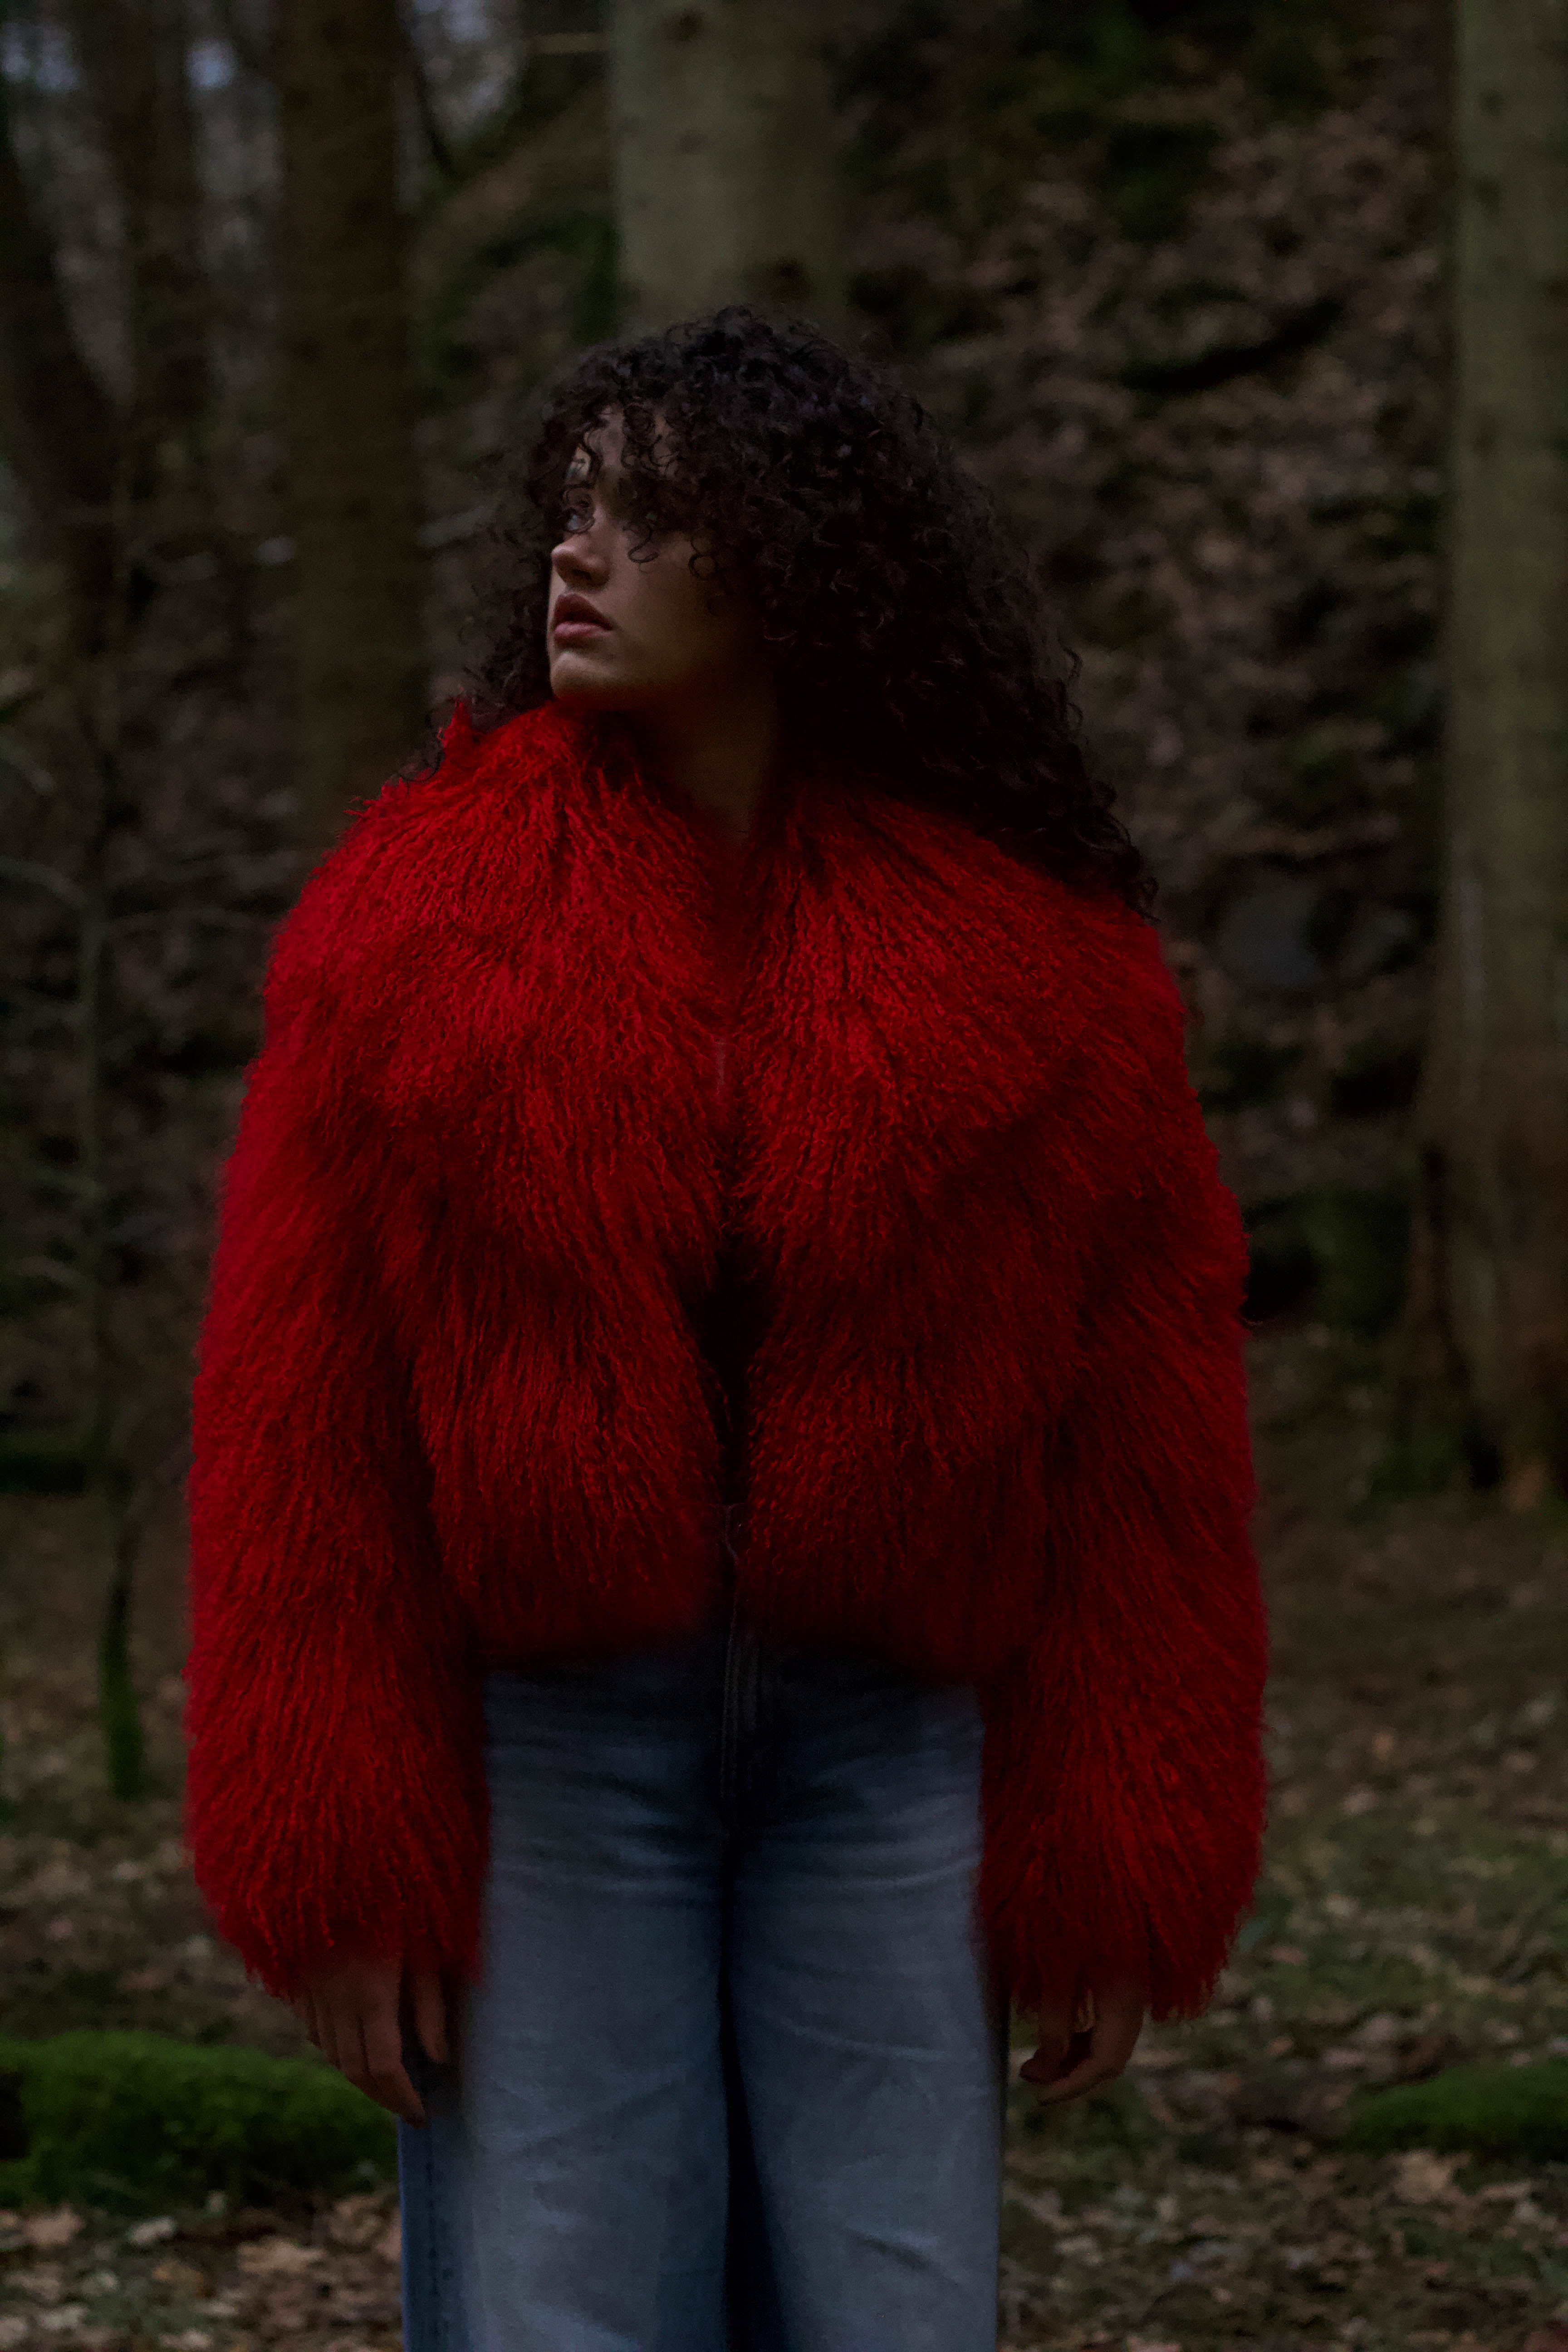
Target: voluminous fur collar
point(930, 1061)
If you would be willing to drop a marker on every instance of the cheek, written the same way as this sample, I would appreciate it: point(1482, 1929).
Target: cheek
point(676, 631)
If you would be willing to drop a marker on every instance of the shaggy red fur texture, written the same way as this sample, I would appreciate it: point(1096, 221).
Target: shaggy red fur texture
point(450, 1407)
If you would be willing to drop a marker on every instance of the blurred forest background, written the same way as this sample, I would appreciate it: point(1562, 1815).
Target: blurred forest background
point(1252, 316)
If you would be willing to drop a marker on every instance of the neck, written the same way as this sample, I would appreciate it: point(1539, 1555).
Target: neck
point(722, 750)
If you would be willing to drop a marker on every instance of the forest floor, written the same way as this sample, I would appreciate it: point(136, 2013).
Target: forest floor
point(1413, 1911)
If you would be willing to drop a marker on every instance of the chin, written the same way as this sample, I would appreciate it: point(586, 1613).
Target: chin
point(576, 681)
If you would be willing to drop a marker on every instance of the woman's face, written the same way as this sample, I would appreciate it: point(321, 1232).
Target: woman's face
point(632, 635)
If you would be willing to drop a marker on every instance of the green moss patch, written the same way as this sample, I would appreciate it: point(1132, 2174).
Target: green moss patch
point(1487, 2109)
point(1086, 2149)
point(137, 2121)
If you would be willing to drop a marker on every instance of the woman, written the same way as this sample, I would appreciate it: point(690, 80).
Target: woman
point(720, 1501)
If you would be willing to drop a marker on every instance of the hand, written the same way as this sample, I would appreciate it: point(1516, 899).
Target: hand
point(350, 2010)
point(1068, 2063)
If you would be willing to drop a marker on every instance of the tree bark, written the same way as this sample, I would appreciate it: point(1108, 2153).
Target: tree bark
point(1487, 1316)
point(725, 170)
point(133, 54)
point(62, 431)
point(347, 401)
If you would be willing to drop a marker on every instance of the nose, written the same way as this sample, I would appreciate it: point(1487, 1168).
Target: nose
point(578, 561)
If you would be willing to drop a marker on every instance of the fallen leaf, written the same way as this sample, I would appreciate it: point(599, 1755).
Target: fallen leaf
point(182, 2277)
point(278, 2258)
point(355, 2221)
point(43, 2283)
point(1420, 2178)
point(56, 2229)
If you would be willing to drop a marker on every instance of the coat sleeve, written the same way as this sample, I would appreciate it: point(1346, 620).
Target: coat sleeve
point(1125, 1778)
point(335, 1799)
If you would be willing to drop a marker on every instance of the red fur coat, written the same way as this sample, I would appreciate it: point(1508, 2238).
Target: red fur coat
point(449, 1405)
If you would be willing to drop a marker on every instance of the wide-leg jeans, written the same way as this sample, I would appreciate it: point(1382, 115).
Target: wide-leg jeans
point(734, 2072)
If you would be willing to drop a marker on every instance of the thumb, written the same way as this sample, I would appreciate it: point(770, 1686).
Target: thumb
point(429, 2014)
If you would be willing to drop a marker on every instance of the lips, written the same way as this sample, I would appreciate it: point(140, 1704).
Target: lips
point(575, 622)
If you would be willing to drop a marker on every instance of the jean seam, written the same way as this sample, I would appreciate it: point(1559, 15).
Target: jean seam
point(429, 2257)
point(425, 2306)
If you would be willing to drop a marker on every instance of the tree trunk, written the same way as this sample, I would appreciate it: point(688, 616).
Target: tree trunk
point(134, 53)
point(61, 429)
point(347, 401)
point(724, 176)
point(1488, 1319)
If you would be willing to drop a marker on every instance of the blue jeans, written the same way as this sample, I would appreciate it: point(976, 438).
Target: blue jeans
point(733, 2073)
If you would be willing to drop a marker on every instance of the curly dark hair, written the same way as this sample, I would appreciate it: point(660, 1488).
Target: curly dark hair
point(904, 617)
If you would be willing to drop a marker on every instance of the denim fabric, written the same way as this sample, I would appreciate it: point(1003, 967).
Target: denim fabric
point(733, 2073)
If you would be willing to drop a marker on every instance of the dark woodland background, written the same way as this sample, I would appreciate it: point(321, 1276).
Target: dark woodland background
point(1179, 298)
point(1190, 283)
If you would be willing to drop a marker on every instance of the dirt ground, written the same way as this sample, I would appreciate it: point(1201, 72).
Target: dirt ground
point(1413, 1911)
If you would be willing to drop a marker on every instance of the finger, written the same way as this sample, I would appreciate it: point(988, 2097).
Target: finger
point(430, 2015)
point(1087, 2076)
point(1123, 2009)
point(349, 2029)
point(1099, 2056)
point(1054, 2027)
point(1050, 2054)
point(1116, 2032)
point(341, 2044)
point(385, 2080)
point(1117, 2040)
point(1055, 2057)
